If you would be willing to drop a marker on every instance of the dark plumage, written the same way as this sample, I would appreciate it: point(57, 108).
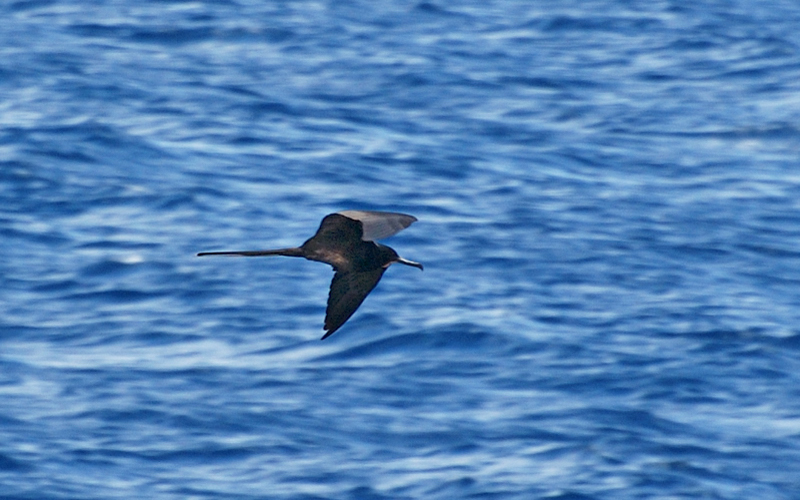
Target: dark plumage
point(345, 241)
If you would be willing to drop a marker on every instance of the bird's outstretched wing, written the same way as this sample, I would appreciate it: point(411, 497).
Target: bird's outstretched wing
point(378, 225)
point(348, 291)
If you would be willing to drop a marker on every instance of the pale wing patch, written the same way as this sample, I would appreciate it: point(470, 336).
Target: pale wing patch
point(378, 225)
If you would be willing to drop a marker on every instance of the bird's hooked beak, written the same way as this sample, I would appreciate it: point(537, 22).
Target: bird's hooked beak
point(409, 262)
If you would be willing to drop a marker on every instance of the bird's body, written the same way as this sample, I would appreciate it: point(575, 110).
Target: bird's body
point(345, 241)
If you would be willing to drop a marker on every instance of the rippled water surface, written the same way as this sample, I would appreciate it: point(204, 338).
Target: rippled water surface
point(609, 217)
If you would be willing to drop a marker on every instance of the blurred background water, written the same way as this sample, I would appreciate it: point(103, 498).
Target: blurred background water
point(608, 201)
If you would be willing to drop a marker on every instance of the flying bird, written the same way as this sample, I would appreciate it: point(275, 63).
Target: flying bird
point(346, 241)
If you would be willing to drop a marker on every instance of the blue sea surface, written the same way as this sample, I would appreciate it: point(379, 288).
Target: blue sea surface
point(608, 194)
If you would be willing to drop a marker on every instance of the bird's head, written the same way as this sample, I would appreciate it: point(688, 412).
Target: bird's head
point(391, 257)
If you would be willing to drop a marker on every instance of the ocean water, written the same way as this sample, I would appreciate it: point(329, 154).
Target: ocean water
point(608, 194)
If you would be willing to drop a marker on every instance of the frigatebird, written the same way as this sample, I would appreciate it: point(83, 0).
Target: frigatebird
point(345, 240)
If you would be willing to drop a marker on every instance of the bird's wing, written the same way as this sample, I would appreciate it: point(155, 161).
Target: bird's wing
point(348, 291)
point(338, 232)
point(378, 225)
